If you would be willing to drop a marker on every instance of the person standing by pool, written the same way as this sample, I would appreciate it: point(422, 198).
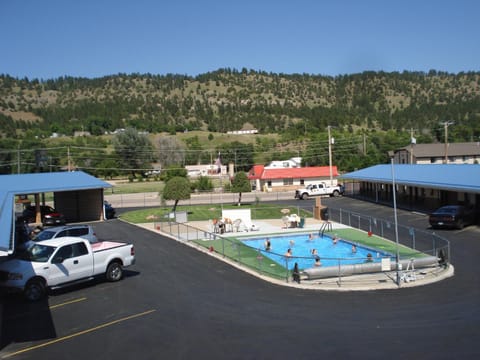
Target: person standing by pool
point(296, 273)
point(268, 245)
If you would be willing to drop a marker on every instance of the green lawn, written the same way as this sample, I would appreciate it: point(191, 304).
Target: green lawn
point(207, 212)
point(136, 187)
point(376, 242)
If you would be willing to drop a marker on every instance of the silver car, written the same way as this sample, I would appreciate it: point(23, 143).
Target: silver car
point(84, 231)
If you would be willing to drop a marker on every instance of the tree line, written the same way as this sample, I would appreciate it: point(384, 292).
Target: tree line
point(369, 113)
point(228, 99)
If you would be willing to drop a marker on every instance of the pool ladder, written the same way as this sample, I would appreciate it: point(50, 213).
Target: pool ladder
point(326, 226)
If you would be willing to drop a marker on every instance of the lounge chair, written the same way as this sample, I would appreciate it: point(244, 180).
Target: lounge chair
point(237, 223)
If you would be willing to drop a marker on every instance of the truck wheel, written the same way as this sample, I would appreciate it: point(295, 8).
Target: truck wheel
point(34, 290)
point(114, 271)
point(304, 196)
point(336, 193)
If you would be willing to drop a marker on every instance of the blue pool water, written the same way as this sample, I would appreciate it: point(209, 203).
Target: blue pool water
point(301, 246)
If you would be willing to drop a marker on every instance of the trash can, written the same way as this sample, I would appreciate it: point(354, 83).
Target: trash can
point(324, 213)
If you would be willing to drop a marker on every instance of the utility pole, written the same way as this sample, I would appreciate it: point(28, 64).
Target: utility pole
point(18, 159)
point(68, 157)
point(413, 141)
point(364, 145)
point(330, 142)
point(446, 124)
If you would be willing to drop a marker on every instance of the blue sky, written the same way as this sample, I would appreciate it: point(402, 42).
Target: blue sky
point(92, 38)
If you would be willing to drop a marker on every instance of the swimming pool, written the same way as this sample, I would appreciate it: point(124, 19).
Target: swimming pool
point(301, 246)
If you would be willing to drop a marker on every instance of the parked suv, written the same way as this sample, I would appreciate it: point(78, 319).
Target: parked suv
point(84, 231)
point(49, 215)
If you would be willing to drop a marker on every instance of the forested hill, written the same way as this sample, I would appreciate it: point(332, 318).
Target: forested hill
point(231, 100)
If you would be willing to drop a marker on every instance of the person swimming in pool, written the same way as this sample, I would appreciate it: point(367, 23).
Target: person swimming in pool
point(288, 253)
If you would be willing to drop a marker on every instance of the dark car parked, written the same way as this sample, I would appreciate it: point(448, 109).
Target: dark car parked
point(49, 215)
point(109, 210)
point(452, 216)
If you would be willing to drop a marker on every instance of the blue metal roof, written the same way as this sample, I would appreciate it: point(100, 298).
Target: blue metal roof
point(452, 177)
point(11, 185)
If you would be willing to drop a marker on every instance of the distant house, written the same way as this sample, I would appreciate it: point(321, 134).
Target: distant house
point(291, 163)
point(243, 132)
point(81, 133)
point(283, 179)
point(456, 153)
point(195, 171)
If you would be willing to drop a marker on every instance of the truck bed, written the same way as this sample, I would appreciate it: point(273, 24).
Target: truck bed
point(105, 245)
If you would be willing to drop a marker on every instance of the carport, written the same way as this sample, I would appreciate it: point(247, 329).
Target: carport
point(79, 196)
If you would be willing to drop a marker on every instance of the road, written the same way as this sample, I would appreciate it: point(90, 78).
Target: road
point(177, 303)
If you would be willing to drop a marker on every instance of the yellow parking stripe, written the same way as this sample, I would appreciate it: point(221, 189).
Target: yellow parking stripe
point(67, 303)
point(78, 334)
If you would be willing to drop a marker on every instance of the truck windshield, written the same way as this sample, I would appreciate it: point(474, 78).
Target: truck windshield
point(37, 253)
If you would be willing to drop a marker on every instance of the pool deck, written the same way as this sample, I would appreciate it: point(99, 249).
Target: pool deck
point(363, 282)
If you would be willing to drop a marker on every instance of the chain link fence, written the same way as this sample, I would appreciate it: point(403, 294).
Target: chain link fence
point(421, 240)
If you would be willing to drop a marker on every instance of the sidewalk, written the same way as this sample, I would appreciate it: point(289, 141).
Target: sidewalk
point(363, 282)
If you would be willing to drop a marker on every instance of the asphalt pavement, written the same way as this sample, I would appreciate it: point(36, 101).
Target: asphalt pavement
point(177, 303)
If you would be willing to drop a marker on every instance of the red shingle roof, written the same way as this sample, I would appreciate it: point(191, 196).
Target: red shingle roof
point(259, 172)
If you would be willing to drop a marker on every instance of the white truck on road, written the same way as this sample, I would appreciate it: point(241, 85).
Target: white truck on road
point(318, 190)
point(64, 261)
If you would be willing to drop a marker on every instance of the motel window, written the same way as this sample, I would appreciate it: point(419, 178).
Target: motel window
point(287, 181)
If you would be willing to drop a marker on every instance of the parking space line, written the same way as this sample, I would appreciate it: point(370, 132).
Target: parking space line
point(83, 332)
point(67, 303)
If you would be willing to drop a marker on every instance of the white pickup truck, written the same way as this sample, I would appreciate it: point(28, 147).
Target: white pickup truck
point(63, 261)
point(318, 190)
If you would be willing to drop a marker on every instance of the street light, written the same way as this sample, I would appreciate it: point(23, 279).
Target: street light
point(394, 190)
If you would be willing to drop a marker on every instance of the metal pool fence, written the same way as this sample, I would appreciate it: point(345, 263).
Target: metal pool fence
point(256, 260)
point(423, 241)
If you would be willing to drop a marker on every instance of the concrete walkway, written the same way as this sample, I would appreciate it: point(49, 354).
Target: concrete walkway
point(363, 282)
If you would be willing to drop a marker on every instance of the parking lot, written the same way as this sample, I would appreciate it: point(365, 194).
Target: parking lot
point(177, 303)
